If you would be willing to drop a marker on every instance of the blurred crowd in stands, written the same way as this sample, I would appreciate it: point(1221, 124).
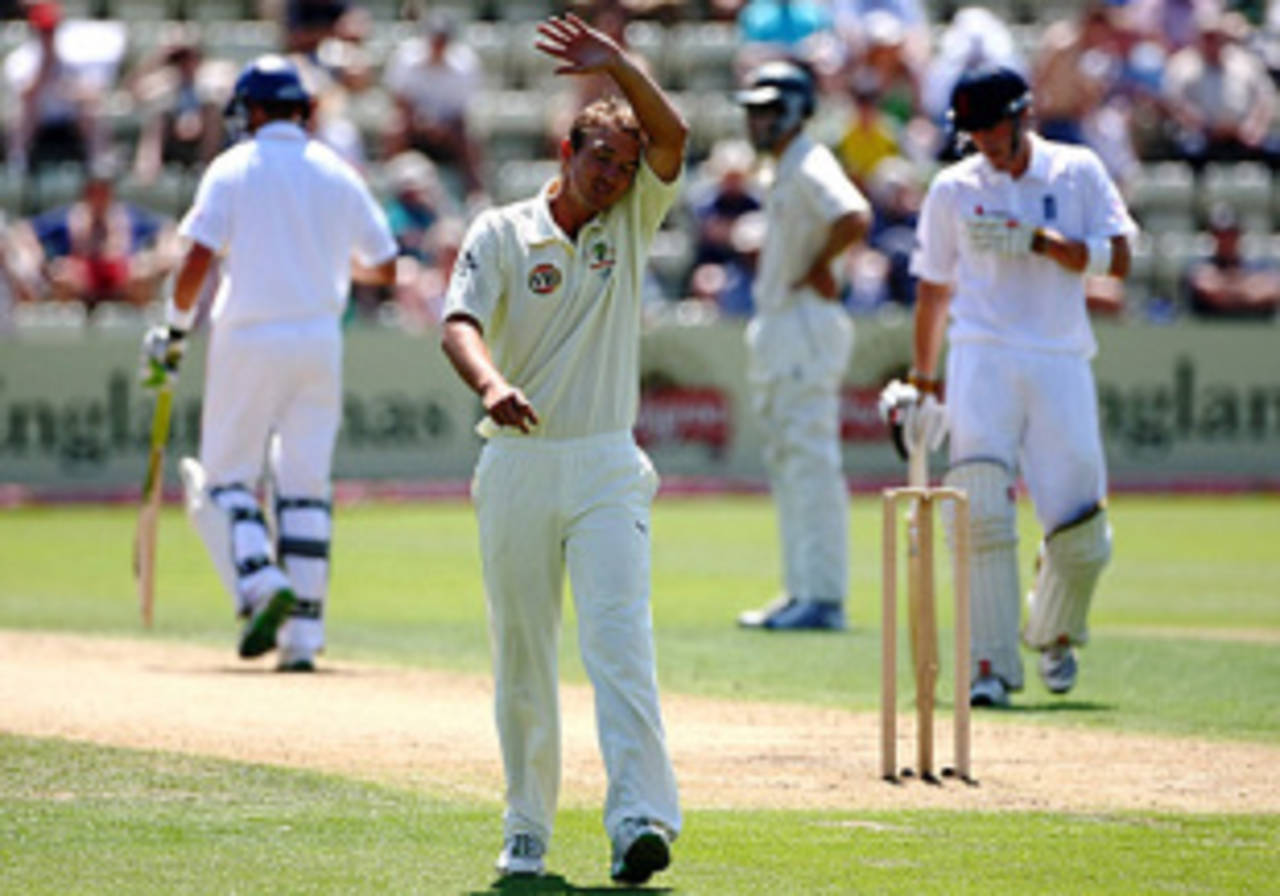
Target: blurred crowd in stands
point(113, 107)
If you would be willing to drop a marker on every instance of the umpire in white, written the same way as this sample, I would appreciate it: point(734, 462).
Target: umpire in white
point(798, 343)
point(1006, 238)
point(552, 287)
point(287, 218)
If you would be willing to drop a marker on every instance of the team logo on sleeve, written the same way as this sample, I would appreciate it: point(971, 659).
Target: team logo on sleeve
point(544, 279)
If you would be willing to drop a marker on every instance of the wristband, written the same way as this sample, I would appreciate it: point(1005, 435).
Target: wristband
point(1099, 255)
point(924, 384)
point(176, 318)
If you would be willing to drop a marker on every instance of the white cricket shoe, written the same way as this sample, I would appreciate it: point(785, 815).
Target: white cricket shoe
point(640, 848)
point(988, 691)
point(1058, 668)
point(522, 856)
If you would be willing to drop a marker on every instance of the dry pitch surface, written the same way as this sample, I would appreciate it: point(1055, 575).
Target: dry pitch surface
point(432, 731)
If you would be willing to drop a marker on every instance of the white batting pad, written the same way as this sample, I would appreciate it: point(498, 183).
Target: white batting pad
point(305, 529)
point(237, 543)
point(1071, 560)
point(993, 567)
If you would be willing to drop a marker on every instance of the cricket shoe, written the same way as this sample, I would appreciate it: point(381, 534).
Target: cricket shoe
point(1058, 667)
point(259, 635)
point(988, 690)
point(522, 856)
point(793, 614)
point(640, 849)
point(295, 661)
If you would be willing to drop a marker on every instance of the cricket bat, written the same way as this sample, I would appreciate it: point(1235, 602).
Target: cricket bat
point(144, 539)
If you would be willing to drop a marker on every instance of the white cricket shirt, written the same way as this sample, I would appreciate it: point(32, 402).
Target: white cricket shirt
point(287, 213)
point(1031, 301)
point(809, 192)
point(561, 317)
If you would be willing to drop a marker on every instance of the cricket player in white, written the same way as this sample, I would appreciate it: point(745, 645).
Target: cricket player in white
point(552, 287)
point(799, 342)
point(287, 215)
point(1006, 238)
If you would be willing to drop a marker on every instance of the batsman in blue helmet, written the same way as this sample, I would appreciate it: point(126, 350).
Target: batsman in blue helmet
point(1006, 238)
point(270, 82)
point(283, 222)
point(799, 342)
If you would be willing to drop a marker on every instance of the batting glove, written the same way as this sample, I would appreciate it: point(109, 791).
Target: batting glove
point(897, 401)
point(1003, 236)
point(162, 350)
point(925, 425)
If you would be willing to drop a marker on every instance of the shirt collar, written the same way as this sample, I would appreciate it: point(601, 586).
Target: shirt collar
point(540, 227)
point(794, 152)
point(281, 130)
point(1038, 165)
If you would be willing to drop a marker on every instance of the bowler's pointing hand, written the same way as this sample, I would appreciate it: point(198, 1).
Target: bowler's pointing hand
point(507, 406)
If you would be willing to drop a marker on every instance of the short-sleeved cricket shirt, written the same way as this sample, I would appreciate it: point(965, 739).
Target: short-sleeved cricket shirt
point(561, 316)
point(1029, 301)
point(288, 213)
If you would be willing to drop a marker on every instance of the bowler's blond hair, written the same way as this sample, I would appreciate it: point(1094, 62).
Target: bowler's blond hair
point(610, 113)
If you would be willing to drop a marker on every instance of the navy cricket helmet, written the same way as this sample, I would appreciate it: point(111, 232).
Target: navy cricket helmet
point(779, 81)
point(985, 96)
point(270, 78)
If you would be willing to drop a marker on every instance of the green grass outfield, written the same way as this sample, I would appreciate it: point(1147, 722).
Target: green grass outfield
point(1186, 633)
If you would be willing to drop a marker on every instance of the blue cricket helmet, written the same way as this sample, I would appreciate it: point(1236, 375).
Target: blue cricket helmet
point(270, 78)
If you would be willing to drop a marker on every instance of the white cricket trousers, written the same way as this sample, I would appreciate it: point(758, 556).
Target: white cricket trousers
point(1031, 411)
point(281, 379)
point(797, 361)
point(581, 504)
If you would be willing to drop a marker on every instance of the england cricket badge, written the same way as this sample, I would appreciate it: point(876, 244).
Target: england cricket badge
point(544, 279)
point(1050, 207)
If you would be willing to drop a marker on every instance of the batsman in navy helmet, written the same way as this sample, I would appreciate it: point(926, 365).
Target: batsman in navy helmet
point(1006, 238)
point(283, 223)
point(799, 343)
point(984, 97)
point(271, 84)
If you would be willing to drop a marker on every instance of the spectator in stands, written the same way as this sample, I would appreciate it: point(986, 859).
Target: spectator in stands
point(421, 285)
point(896, 189)
point(871, 135)
point(308, 22)
point(1221, 96)
point(100, 249)
point(180, 102)
point(858, 21)
point(773, 29)
point(721, 199)
point(724, 253)
point(1073, 67)
point(57, 116)
point(1226, 284)
point(1172, 22)
point(418, 200)
point(435, 79)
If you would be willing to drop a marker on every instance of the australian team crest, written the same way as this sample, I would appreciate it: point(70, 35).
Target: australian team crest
point(544, 279)
point(601, 256)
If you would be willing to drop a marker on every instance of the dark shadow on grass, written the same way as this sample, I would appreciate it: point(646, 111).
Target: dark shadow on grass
point(1050, 706)
point(250, 669)
point(551, 884)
